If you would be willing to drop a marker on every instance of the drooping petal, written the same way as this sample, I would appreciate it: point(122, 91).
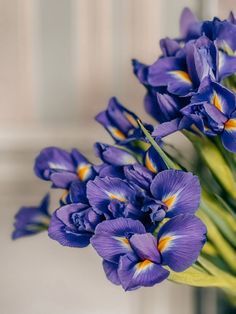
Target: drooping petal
point(171, 72)
point(32, 220)
point(180, 241)
point(110, 270)
point(53, 159)
point(134, 273)
point(111, 239)
point(178, 190)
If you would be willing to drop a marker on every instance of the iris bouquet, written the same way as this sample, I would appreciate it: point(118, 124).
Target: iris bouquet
point(148, 211)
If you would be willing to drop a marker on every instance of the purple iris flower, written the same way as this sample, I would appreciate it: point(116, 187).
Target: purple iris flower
point(73, 225)
point(134, 258)
point(144, 196)
point(183, 73)
point(62, 168)
point(114, 197)
point(120, 123)
point(32, 220)
point(213, 110)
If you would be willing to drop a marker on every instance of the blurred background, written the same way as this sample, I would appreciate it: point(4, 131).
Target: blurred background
point(60, 62)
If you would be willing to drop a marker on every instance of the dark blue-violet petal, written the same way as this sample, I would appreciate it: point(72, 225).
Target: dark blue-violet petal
point(32, 220)
point(53, 159)
point(113, 155)
point(180, 241)
point(169, 47)
point(110, 270)
point(145, 247)
point(135, 273)
point(178, 190)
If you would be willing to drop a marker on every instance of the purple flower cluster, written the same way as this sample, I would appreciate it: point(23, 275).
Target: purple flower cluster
point(136, 213)
point(185, 85)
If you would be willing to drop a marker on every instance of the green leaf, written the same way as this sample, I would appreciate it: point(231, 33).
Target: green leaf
point(169, 163)
point(215, 162)
point(217, 213)
point(226, 251)
point(193, 277)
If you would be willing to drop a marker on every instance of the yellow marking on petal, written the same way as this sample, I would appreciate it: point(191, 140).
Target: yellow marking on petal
point(182, 75)
point(142, 266)
point(230, 124)
point(123, 240)
point(131, 119)
point(217, 102)
point(164, 242)
point(117, 133)
point(83, 171)
point(149, 164)
point(169, 201)
point(117, 197)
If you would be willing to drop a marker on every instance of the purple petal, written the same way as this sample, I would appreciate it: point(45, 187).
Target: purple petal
point(32, 220)
point(171, 72)
point(166, 128)
point(145, 246)
point(111, 272)
point(138, 175)
point(62, 180)
point(227, 65)
point(187, 20)
point(180, 241)
point(111, 239)
point(134, 273)
point(169, 47)
point(178, 190)
point(53, 159)
point(113, 155)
